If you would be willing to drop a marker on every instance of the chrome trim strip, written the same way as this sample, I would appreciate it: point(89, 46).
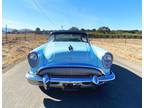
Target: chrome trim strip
point(70, 80)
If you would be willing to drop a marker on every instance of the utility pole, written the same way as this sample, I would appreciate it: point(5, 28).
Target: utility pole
point(6, 33)
point(25, 34)
point(125, 40)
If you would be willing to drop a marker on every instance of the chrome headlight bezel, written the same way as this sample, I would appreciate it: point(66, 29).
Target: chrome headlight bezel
point(33, 59)
point(107, 60)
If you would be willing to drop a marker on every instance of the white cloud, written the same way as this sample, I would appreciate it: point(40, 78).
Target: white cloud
point(15, 24)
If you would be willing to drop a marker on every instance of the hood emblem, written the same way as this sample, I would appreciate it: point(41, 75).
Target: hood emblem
point(70, 48)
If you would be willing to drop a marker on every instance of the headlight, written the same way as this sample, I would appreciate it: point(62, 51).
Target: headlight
point(107, 60)
point(33, 59)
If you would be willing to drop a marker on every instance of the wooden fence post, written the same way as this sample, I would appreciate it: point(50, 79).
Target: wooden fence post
point(6, 33)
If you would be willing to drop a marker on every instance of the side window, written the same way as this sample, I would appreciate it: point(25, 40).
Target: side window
point(50, 38)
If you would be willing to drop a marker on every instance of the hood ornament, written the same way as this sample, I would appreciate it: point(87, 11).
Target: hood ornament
point(70, 48)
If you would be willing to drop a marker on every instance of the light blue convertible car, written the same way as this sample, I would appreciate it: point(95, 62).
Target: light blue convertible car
point(69, 60)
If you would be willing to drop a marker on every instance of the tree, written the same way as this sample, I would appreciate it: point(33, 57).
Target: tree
point(37, 30)
point(15, 31)
point(104, 29)
point(93, 29)
point(45, 31)
point(88, 30)
point(82, 29)
point(73, 28)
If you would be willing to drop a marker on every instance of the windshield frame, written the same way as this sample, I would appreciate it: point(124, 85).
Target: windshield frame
point(53, 36)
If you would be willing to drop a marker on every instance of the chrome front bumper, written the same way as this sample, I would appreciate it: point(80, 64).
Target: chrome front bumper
point(38, 80)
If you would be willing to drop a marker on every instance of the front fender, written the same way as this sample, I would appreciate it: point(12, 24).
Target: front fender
point(99, 53)
point(41, 58)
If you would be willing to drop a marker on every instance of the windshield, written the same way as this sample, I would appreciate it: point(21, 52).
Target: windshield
point(70, 37)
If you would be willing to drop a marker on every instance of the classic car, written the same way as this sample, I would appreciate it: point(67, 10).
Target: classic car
point(69, 60)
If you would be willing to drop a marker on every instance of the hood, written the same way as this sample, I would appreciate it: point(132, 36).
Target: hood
point(66, 53)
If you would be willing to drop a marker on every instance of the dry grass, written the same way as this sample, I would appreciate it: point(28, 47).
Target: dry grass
point(129, 49)
point(17, 49)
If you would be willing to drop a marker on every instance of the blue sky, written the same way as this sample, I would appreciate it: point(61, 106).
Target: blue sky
point(88, 14)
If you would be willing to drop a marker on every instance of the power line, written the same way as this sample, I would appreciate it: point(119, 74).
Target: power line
point(43, 11)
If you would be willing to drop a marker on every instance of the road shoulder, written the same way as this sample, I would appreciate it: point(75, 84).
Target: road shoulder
point(137, 68)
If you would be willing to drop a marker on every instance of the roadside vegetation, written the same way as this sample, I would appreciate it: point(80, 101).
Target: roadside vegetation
point(122, 43)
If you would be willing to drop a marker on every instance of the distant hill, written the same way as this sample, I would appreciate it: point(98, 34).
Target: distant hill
point(20, 30)
point(27, 30)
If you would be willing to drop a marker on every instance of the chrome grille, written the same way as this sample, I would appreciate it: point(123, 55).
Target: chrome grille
point(70, 71)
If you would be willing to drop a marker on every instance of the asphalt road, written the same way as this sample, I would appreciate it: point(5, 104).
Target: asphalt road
point(124, 92)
